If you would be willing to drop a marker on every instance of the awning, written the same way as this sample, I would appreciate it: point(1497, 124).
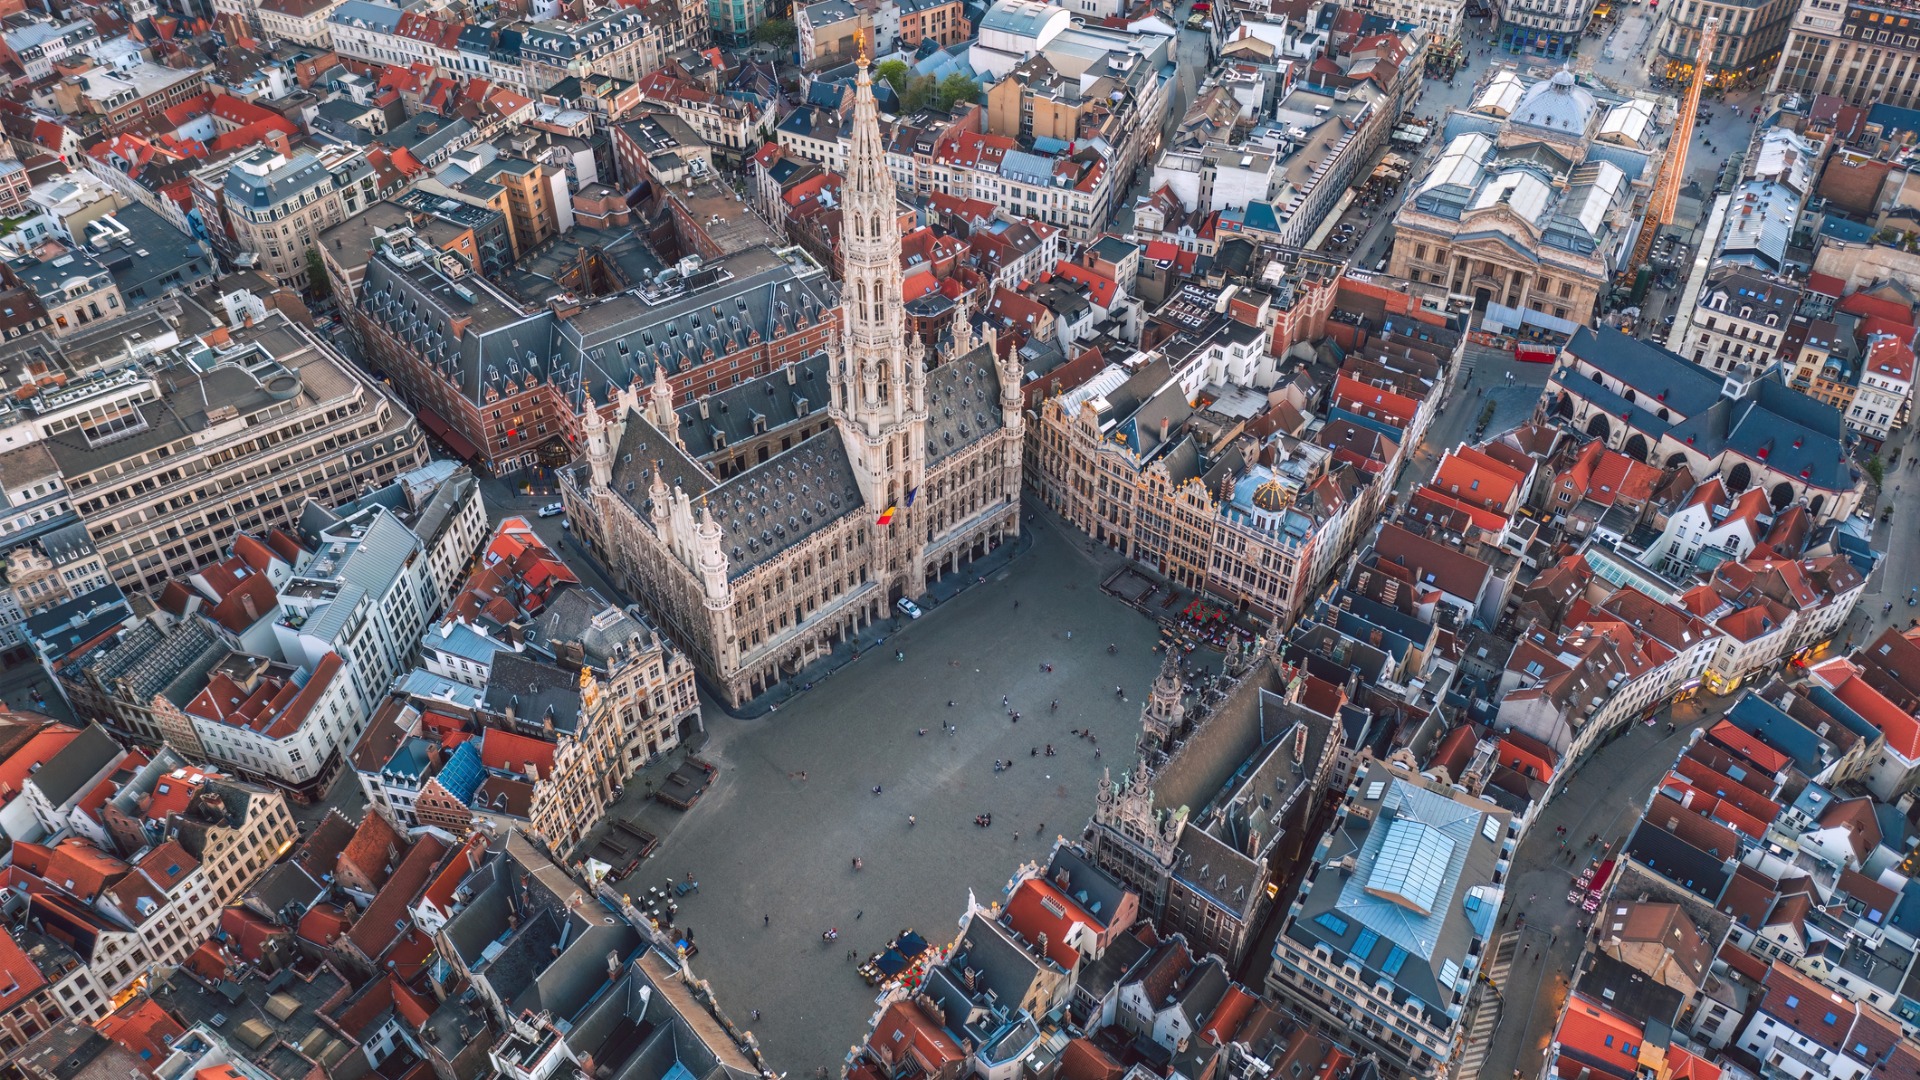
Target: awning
point(458, 443)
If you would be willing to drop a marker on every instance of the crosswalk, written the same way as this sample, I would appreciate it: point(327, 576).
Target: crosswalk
point(1487, 1006)
point(1475, 355)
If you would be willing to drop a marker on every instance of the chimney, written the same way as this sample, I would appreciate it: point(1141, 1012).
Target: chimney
point(1166, 423)
point(278, 140)
point(252, 609)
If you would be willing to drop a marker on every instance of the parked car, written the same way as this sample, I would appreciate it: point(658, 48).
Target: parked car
point(907, 607)
point(552, 510)
point(1194, 21)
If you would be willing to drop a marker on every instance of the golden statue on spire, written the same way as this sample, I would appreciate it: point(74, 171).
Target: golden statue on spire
point(860, 44)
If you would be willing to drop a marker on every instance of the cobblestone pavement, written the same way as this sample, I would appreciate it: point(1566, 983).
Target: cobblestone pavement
point(766, 843)
point(1606, 797)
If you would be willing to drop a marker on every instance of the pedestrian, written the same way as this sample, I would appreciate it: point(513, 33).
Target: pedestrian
point(1016, 836)
point(756, 1015)
point(857, 914)
point(766, 920)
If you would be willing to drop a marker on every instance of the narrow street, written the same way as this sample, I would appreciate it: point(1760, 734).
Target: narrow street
point(1606, 797)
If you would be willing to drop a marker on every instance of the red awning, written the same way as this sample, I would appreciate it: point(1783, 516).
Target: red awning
point(458, 443)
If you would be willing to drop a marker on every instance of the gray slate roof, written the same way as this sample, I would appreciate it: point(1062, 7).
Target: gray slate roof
point(963, 404)
point(775, 505)
point(776, 399)
point(1348, 911)
point(78, 762)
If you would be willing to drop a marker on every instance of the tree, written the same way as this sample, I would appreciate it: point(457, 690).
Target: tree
point(894, 73)
point(955, 89)
point(920, 92)
point(317, 280)
point(1877, 469)
point(777, 32)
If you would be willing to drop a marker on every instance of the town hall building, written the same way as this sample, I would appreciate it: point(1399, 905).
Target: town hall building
point(866, 474)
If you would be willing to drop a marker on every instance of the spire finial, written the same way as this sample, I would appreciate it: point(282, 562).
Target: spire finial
point(860, 43)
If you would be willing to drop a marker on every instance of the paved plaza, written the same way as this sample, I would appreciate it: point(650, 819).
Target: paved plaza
point(765, 842)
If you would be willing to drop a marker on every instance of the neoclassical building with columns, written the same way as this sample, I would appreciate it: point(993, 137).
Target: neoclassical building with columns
point(767, 523)
point(1533, 203)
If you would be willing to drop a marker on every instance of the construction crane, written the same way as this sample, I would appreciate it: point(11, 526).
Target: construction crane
point(1673, 168)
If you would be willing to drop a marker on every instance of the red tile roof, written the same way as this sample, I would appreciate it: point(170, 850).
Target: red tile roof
point(1810, 1009)
point(1039, 907)
point(905, 1034)
point(380, 926)
point(1228, 1016)
point(168, 865)
point(1864, 304)
point(21, 973)
point(1083, 1060)
point(508, 752)
point(144, 1028)
point(275, 707)
point(1600, 1035)
point(1901, 729)
point(1727, 734)
point(82, 869)
point(1101, 290)
point(1526, 754)
point(373, 843)
point(324, 924)
point(1475, 476)
point(37, 751)
point(1453, 571)
point(1682, 1065)
point(247, 933)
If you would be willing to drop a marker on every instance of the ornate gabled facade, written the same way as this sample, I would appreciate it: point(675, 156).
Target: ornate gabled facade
point(1218, 800)
point(906, 471)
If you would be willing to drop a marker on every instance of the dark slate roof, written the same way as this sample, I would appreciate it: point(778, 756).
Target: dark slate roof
point(963, 404)
point(1005, 968)
point(1678, 861)
point(1095, 889)
point(537, 691)
point(777, 399)
point(1689, 388)
point(567, 983)
point(484, 920)
point(1229, 876)
point(92, 751)
point(719, 309)
point(642, 447)
point(287, 890)
point(782, 501)
point(1627, 991)
point(281, 182)
point(574, 617)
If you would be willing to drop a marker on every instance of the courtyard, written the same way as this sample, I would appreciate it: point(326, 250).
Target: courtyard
point(772, 843)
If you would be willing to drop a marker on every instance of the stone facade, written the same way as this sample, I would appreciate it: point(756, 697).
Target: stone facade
point(916, 473)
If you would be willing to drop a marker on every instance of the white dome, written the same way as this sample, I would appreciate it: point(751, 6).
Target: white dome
point(1556, 104)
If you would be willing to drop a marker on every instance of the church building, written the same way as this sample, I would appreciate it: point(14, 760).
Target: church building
point(880, 470)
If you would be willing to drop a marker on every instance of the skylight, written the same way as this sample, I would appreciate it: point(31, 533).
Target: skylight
point(1412, 865)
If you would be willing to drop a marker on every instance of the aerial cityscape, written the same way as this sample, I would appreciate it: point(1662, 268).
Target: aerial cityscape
point(523, 522)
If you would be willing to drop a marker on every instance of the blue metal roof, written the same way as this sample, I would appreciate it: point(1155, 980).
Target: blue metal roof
point(462, 773)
